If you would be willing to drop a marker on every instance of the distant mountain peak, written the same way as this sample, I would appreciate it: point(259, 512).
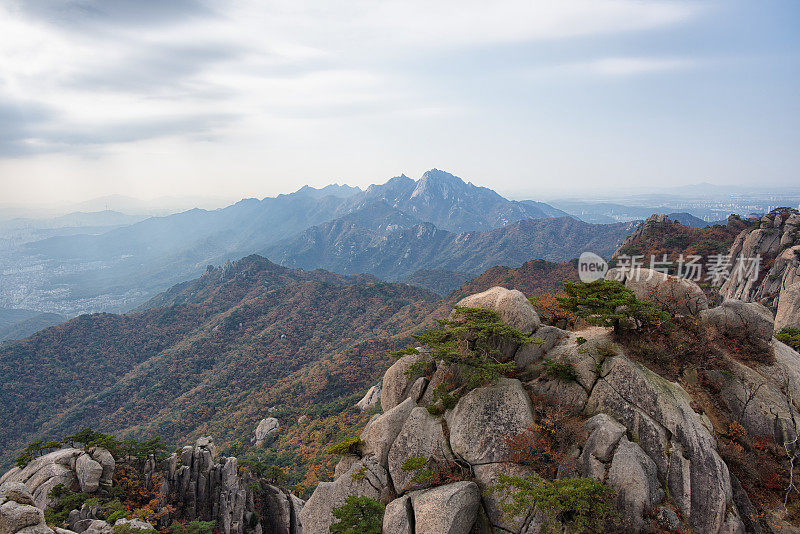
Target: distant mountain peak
point(335, 190)
point(439, 184)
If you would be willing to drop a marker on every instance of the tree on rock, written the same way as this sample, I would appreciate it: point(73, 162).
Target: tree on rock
point(471, 338)
point(609, 303)
point(358, 515)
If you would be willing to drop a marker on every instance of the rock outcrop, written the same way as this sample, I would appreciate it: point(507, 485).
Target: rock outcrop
point(747, 321)
point(371, 398)
point(382, 430)
point(484, 418)
point(18, 513)
point(266, 428)
point(775, 247)
point(203, 486)
point(422, 436)
point(643, 435)
point(678, 440)
point(365, 478)
point(88, 471)
point(788, 313)
point(397, 383)
point(512, 306)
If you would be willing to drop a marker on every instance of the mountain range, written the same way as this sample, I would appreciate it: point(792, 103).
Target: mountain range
point(390, 230)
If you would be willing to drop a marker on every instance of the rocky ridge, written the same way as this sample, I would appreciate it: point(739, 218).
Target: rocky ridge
point(644, 435)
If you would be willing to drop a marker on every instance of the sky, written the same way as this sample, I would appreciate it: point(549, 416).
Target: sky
point(251, 98)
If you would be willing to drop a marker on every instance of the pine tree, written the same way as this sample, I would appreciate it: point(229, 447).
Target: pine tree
point(358, 515)
point(610, 303)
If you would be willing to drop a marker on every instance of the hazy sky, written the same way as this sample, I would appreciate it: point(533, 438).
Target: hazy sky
point(252, 98)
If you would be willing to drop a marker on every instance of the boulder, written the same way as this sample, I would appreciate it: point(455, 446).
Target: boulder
point(17, 511)
point(15, 517)
point(80, 519)
point(451, 375)
point(17, 492)
point(512, 306)
point(741, 320)
point(421, 436)
point(487, 476)
point(107, 462)
point(397, 383)
point(88, 472)
point(530, 353)
point(755, 398)
point(365, 478)
point(418, 388)
point(450, 509)
point(788, 314)
point(134, 524)
point(98, 526)
point(266, 428)
point(582, 360)
point(634, 476)
point(370, 399)
point(345, 464)
point(398, 516)
point(42, 474)
point(659, 414)
point(604, 433)
point(680, 296)
point(380, 433)
point(484, 418)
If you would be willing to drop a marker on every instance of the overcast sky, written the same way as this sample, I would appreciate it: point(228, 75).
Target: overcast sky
point(253, 98)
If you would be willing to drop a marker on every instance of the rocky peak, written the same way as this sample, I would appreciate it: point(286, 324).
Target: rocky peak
point(436, 184)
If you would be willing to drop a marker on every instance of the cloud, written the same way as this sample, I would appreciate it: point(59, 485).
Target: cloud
point(609, 67)
point(80, 15)
point(20, 120)
point(625, 66)
point(116, 71)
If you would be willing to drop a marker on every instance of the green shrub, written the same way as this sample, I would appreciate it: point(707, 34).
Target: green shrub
point(583, 504)
point(64, 501)
point(346, 446)
point(470, 340)
point(121, 514)
point(113, 510)
point(414, 463)
point(562, 371)
point(790, 336)
point(127, 529)
point(580, 340)
point(194, 527)
point(442, 400)
point(609, 303)
point(360, 473)
point(358, 515)
point(418, 464)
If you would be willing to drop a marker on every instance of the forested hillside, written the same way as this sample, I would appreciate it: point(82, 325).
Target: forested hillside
point(212, 358)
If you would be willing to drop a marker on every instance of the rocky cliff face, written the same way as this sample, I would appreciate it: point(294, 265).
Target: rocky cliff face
point(202, 486)
point(776, 284)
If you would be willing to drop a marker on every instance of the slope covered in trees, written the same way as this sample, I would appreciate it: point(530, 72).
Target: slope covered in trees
point(212, 356)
